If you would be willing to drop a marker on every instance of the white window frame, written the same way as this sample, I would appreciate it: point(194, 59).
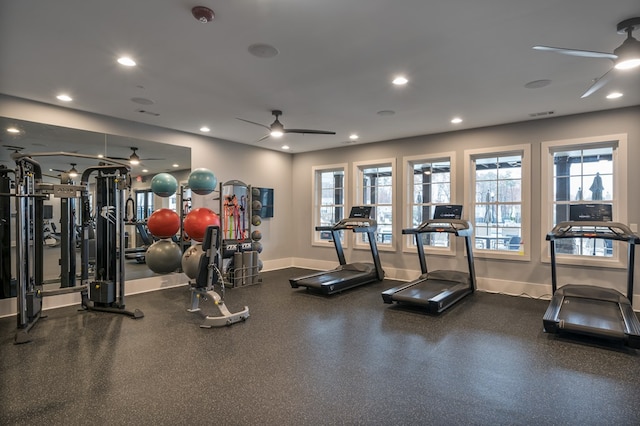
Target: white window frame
point(470, 155)
point(408, 241)
point(358, 166)
point(316, 202)
point(619, 202)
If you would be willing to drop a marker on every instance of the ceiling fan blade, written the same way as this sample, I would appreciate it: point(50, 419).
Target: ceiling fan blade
point(309, 131)
point(264, 137)
point(577, 52)
point(253, 122)
point(599, 83)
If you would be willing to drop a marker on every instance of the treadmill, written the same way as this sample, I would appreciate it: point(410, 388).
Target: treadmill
point(346, 275)
point(587, 309)
point(438, 290)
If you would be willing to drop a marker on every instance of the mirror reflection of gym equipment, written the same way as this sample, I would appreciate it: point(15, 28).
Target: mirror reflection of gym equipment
point(33, 136)
point(104, 291)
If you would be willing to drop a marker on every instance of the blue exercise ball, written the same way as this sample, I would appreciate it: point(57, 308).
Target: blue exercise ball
point(164, 185)
point(202, 181)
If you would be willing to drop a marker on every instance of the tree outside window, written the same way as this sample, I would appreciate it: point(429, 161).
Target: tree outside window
point(374, 188)
point(329, 199)
point(429, 185)
point(498, 202)
point(582, 176)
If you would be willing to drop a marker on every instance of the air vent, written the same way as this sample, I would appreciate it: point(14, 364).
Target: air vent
point(144, 111)
point(541, 114)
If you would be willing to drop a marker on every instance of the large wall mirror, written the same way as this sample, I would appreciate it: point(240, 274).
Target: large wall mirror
point(29, 137)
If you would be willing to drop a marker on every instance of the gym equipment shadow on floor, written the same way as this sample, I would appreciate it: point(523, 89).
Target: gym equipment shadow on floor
point(309, 359)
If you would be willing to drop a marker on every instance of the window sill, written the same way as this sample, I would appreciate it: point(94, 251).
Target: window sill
point(381, 247)
point(588, 262)
point(502, 255)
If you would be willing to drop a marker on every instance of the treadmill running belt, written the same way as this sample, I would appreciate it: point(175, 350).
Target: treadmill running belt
point(583, 315)
point(423, 291)
point(332, 277)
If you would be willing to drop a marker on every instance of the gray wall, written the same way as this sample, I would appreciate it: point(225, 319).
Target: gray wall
point(625, 120)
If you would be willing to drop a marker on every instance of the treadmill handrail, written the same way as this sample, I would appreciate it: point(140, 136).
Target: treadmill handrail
point(616, 231)
point(459, 227)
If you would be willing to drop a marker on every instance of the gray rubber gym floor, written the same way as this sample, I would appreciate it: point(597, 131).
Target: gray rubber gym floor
point(307, 359)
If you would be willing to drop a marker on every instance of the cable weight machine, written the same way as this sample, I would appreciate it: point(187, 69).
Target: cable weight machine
point(106, 292)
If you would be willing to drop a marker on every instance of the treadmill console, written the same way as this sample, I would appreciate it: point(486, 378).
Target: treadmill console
point(359, 220)
point(448, 212)
point(360, 212)
point(590, 212)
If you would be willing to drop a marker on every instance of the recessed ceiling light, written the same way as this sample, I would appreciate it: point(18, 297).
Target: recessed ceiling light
point(145, 171)
point(262, 50)
point(175, 165)
point(285, 147)
point(142, 101)
point(400, 80)
point(353, 137)
point(456, 120)
point(65, 98)
point(126, 61)
point(614, 95)
point(100, 156)
point(537, 84)
point(13, 130)
point(205, 129)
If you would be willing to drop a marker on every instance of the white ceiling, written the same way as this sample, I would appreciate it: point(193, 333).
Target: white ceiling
point(334, 68)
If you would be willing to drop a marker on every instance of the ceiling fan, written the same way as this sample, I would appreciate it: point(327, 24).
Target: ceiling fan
point(626, 56)
point(134, 159)
point(277, 129)
point(72, 172)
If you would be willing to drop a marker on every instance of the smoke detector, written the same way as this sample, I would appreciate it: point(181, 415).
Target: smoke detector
point(203, 14)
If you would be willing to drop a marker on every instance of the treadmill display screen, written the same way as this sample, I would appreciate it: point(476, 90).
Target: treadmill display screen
point(360, 212)
point(448, 212)
point(591, 212)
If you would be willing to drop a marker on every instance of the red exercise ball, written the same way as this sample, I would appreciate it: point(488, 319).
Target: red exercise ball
point(163, 223)
point(197, 221)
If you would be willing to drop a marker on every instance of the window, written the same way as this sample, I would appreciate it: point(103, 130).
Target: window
point(374, 187)
point(580, 171)
point(144, 204)
point(499, 201)
point(329, 197)
point(428, 183)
